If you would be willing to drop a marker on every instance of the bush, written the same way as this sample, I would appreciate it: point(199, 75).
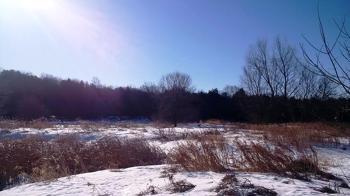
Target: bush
point(43, 160)
point(280, 159)
point(15, 124)
point(213, 153)
point(180, 186)
point(230, 185)
point(302, 135)
point(206, 153)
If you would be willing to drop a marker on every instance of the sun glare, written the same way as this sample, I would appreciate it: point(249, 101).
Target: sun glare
point(81, 28)
point(35, 6)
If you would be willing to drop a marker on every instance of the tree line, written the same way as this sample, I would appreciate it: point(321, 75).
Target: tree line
point(26, 97)
point(280, 83)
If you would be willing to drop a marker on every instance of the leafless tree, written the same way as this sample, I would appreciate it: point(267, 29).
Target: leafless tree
point(150, 88)
point(273, 73)
point(259, 61)
point(230, 90)
point(284, 59)
point(326, 88)
point(176, 81)
point(96, 82)
point(176, 100)
point(3, 95)
point(308, 84)
point(276, 70)
point(252, 80)
point(332, 59)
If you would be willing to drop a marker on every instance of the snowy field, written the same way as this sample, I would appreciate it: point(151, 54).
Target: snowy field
point(133, 181)
point(144, 180)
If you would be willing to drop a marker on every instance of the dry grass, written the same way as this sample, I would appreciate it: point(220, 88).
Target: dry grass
point(215, 122)
point(166, 135)
point(302, 135)
point(170, 134)
point(94, 126)
point(285, 149)
point(43, 160)
point(280, 159)
point(230, 185)
point(180, 186)
point(151, 190)
point(214, 153)
point(206, 153)
point(89, 126)
point(15, 124)
point(285, 152)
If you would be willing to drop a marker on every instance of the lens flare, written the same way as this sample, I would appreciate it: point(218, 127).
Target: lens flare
point(80, 27)
point(29, 5)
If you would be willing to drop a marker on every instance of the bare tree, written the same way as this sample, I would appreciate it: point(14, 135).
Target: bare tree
point(252, 80)
point(275, 71)
point(284, 59)
point(176, 81)
point(308, 84)
point(325, 89)
point(261, 74)
point(261, 60)
point(332, 59)
point(150, 88)
point(230, 90)
point(96, 82)
point(176, 100)
point(4, 95)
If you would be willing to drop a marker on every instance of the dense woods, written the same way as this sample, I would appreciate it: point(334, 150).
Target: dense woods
point(25, 96)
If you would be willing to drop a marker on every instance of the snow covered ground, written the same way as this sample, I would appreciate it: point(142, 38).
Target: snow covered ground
point(135, 180)
point(145, 131)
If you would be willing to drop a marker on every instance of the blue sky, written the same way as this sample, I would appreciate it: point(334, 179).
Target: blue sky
point(129, 42)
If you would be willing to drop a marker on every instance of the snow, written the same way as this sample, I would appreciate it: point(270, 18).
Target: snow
point(134, 180)
point(336, 161)
point(145, 131)
point(130, 181)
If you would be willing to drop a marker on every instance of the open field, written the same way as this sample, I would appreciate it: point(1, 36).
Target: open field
point(139, 158)
point(174, 97)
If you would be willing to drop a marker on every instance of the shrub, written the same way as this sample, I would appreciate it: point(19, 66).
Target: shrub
point(67, 155)
point(302, 135)
point(17, 158)
point(166, 135)
point(35, 124)
point(229, 185)
point(151, 190)
point(207, 153)
point(280, 159)
point(180, 186)
point(326, 189)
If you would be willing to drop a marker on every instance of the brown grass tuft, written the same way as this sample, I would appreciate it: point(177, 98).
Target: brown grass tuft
point(43, 160)
point(35, 124)
point(280, 159)
point(302, 135)
point(207, 153)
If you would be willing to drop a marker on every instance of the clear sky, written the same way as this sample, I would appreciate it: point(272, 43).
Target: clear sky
point(129, 42)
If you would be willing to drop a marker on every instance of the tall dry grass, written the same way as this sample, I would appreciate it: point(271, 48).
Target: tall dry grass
point(280, 159)
point(206, 153)
point(301, 135)
point(284, 155)
point(42, 160)
point(15, 124)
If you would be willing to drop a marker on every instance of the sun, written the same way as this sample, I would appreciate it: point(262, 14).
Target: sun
point(64, 23)
point(31, 6)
